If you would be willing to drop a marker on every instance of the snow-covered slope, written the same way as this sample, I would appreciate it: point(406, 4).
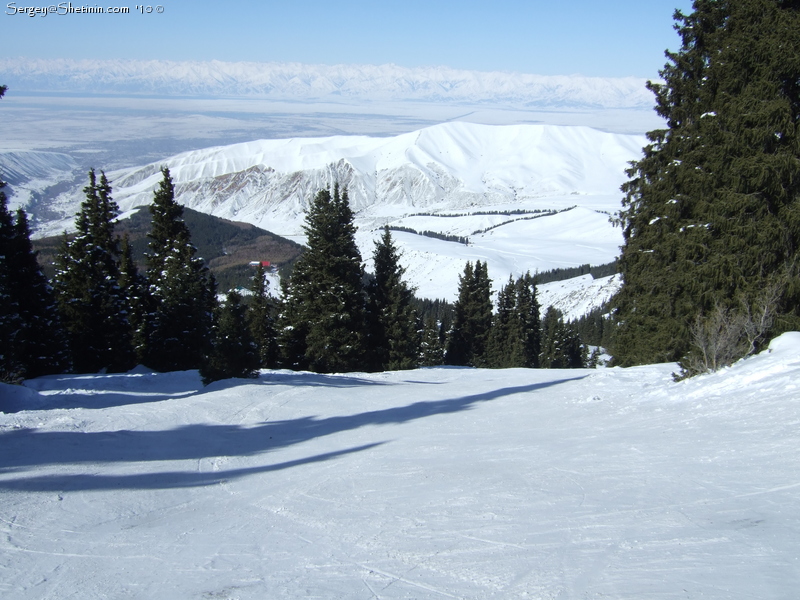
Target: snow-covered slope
point(434, 483)
point(30, 172)
point(416, 180)
point(339, 83)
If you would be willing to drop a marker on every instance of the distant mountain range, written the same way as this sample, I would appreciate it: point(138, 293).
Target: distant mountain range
point(448, 167)
point(526, 197)
point(335, 83)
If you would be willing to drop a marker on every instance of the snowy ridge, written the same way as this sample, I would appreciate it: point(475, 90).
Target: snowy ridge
point(433, 483)
point(451, 168)
point(29, 172)
point(342, 83)
point(445, 167)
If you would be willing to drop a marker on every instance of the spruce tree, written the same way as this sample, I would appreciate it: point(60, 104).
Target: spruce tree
point(504, 350)
point(431, 346)
point(472, 320)
point(394, 338)
point(711, 215)
point(323, 314)
point(514, 340)
point(234, 353)
point(91, 303)
point(135, 289)
point(12, 368)
point(182, 293)
point(261, 322)
point(561, 345)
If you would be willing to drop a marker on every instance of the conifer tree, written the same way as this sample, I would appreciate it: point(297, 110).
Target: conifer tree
point(561, 345)
point(260, 321)
point(514, 340)
point(323, 321)
point(234, 352)
point(431, 346)
point(12, 368)
point(91, 303)
point(394, 339)
point(504, 350)
point(135, 289)
point(472, 320)
point(182, 292)
point(711, 212)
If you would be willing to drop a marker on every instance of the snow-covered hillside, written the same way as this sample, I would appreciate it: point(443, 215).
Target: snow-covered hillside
point(29, 172)
point(418, 181)
point(339, 83)
point(434, 483)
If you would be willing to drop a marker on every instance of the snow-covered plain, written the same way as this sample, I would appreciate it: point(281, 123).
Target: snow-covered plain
point(433, 483)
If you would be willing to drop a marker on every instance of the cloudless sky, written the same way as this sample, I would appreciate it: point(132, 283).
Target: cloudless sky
point(589, 37)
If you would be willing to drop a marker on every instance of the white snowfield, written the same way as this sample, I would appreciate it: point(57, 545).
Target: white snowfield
point(433, 483)
point(443, 178)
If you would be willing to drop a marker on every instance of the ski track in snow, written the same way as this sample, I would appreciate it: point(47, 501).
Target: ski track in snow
point(433, 483)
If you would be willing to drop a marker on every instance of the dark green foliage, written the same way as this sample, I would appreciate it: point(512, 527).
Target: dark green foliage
point(712, 211)
point(92, 306)
point(12, 368)
point(439, 310)
point(393, 333)
point(182, 293)
point(595, 327)
point(31, 339)
point(432, 344)
point(234, 352)
point(227, 247)
point(433, 234)
point(135, 289)
point(515, 336)
point(472, 321)
point(323, 321)
point(604, 270)
point(561, 345)
point(261, 321)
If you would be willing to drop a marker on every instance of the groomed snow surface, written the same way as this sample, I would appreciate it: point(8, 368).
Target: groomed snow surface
point(434, 483)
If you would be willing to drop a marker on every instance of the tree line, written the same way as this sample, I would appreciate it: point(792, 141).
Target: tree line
point(100, 313)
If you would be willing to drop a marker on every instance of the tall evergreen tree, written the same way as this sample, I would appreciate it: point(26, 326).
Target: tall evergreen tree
point(323, 321)
point(561, 345)
point(503, 350)
point(431, 345)
point(261, 322)
point(31, 338)
point(135, 289)
point(711, 212)
point(514, 340)
point(234, 353)
point(12, 368)
point(472, 321)
point(394, 337)
point(91, 303)
point(182, 293)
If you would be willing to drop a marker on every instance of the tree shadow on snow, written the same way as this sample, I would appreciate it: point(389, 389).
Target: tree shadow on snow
point(25, 448)
point(122, 389)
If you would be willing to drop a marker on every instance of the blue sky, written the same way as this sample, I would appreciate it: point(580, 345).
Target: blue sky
point(589, 37)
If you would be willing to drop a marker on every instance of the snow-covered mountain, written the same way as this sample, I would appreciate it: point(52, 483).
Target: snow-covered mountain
point(477, 181)
point(339, 83)
point(428, 484)
point(28, 173)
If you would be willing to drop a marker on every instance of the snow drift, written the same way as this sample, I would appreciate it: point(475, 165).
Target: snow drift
point(434, 483)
